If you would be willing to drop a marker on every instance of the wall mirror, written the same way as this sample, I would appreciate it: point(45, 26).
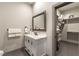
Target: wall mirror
point(39, 22)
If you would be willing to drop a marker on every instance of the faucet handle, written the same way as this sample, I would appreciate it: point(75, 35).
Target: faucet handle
point(35, 33)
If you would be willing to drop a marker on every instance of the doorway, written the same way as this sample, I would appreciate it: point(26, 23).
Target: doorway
point(67, 31)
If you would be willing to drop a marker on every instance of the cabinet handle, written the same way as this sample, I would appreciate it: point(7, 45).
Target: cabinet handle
point(28, 41)
point(31, 43)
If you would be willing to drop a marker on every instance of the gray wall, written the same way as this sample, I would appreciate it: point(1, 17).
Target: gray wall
point(13, 15)
point(48, 6)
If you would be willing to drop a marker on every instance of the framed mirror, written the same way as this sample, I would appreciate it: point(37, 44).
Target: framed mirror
point(39, 22)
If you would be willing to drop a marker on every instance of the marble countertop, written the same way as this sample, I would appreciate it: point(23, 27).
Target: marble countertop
point(36, 37)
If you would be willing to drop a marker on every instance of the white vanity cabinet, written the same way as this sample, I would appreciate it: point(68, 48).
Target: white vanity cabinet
point(35, 45)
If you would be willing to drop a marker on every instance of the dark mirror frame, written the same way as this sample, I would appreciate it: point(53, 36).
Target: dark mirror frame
point(43, 13)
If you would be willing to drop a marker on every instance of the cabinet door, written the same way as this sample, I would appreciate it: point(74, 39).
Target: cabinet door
point(34, 46)
point(41, 49)
point(25, 41)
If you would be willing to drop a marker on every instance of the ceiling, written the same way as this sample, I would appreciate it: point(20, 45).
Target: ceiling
point(30, 3)
point(69, 6)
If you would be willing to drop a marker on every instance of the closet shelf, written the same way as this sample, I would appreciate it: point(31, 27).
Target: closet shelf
point(72, 31)
point(70, 41)
point(72, 20)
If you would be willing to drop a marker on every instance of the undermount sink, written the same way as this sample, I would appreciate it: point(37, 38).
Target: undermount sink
point(39, 36)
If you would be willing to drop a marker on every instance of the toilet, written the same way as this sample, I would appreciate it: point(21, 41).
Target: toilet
point(1, 52)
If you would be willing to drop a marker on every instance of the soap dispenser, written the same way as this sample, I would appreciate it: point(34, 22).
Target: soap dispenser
point(26, 30)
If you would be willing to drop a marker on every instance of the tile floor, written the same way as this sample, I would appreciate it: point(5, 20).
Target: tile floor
point(18, 52)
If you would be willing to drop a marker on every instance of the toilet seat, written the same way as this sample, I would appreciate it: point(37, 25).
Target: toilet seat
point(1, 52)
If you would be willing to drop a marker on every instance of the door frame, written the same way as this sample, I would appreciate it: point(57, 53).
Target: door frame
point(55, 8)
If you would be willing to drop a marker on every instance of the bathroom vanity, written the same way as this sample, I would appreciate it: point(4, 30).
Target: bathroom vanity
point(35, 42)
point(35, 45)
